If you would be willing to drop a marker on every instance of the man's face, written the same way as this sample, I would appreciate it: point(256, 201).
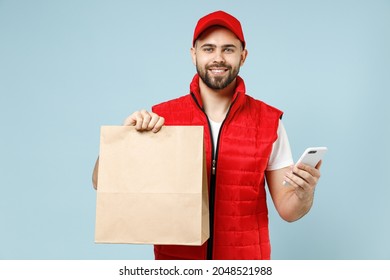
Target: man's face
point(218, 55)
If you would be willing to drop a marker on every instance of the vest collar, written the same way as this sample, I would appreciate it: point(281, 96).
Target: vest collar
point(239, 91)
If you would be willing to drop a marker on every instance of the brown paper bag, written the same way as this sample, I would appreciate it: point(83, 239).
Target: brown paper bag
point(152, 187)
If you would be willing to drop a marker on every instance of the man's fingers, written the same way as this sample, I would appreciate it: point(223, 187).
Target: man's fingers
point(159, 124)
point(144, 120)
point(153, 120)
point(318, 166)
point(308, 173)
point(130, 120)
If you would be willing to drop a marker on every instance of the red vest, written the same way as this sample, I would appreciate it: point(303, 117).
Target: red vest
point(238, 208)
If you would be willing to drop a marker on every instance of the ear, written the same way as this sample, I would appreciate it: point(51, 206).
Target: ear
point(244, 54)
point(193, 55)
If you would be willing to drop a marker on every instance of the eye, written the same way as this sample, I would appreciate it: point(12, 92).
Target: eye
point(229, 50)
point(208, 49)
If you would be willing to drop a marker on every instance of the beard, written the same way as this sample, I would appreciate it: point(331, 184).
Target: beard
point(217, 82)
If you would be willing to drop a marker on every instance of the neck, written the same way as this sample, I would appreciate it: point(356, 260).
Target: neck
point(216, 103)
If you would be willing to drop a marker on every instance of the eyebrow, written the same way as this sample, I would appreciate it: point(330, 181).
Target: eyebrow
point(214, 46)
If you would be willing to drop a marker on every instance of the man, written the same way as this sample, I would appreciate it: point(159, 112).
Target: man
point(245, 144)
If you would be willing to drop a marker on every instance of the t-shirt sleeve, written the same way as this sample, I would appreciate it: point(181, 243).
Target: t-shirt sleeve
point(281, 152)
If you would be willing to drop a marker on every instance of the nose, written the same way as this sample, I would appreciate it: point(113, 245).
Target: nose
point(219, 56)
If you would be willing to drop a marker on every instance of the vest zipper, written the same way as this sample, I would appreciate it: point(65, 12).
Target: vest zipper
point(213, 178)
point(213, 182)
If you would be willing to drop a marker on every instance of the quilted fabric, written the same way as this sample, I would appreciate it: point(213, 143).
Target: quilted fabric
point(238, 207)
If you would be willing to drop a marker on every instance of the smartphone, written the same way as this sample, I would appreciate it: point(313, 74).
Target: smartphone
point(311, 156)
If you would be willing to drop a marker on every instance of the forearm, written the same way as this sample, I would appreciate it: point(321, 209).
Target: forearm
point(95, 174)
point(292, 205)
point(294, 199)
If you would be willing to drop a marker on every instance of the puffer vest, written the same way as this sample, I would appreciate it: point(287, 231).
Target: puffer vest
point(238, 208)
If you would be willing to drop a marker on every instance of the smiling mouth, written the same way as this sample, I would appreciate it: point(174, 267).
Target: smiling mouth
point(218, 71)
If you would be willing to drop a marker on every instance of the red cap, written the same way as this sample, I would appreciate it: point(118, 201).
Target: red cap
point(222, 19)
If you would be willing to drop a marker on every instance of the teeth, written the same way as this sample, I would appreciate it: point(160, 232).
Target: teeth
point(217, 71)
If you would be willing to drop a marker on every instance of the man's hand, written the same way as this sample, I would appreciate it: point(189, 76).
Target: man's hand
point(294, 200)
point(304, 179)
point(145, 121)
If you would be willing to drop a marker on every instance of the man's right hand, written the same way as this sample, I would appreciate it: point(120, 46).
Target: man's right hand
point(145, 121)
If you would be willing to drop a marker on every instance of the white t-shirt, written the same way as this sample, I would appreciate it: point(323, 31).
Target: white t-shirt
point(281, 152)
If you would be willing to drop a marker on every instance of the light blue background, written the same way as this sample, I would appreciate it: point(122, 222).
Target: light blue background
point(68, 67)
